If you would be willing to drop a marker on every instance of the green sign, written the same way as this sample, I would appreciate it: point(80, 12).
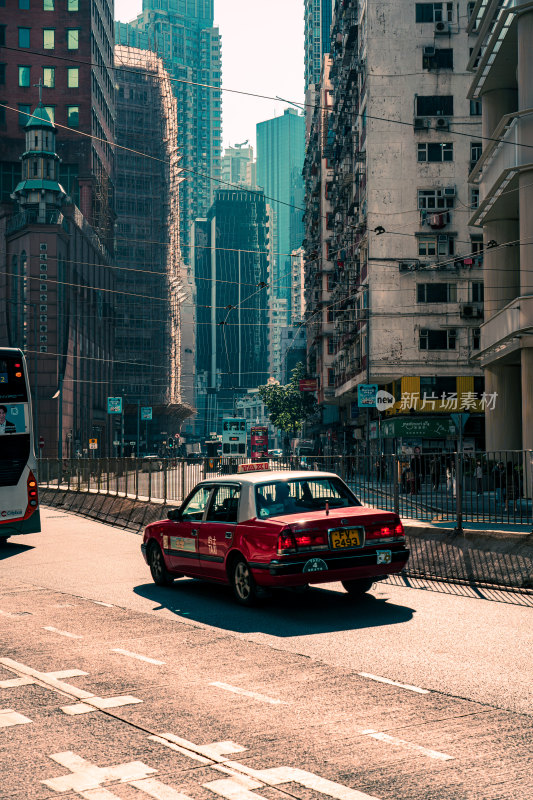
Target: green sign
point(114, 405)
point(146, 413)
point(418, 427)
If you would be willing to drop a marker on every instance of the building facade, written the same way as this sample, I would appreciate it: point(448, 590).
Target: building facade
point(408, 279)
point(238, 166)
point(280, 157)
point(231, 274)
point(150, 349)
point(502, 61)
point(182, 33)
point(67, 48)
point(57, 301)
point(318, 16)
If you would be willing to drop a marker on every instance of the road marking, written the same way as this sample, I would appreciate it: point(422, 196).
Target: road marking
point(158, 790)
point(255, 695)
point(138, 657)
point(14, 613)
point(62, 633)
point(91, 702)
point(86, 775)
point(26, 681)
point(8, 717)
point(99, 794)
point(384, 737)
point(99, 603)
point(394, 683)
point(184, 751)
point(204, 753)
point(14, 682)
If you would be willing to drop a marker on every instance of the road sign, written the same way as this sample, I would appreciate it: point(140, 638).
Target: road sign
point(146, 413)
point(41, 442)
point(132, 444)
point(308, 385)
point(459, 420)
point(93, 444)
point(114, 405)
point(366, 395)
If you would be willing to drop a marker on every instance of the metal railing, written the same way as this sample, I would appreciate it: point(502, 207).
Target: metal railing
point(435, 487)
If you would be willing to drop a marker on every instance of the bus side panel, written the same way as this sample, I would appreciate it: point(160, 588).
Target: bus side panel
point(30, 525)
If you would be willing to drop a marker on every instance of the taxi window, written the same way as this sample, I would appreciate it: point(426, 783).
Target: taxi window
point(293, 497)
point(195, 506)
point(224, 504)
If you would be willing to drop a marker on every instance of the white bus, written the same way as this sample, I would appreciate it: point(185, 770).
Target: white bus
point(19, 501)
point(234, 436)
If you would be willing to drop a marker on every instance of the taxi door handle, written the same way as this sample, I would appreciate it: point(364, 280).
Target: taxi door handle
point(194, 532)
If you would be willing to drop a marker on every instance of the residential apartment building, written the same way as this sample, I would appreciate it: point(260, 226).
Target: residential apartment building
point(149, 347)
point(66, 46)
point(408, 264)
point(238, 166)
point(502, 61)
point(319, 259)
point(231, 278)
point(57, 297)
point(280, 157)
point(183, 34)
point(318, 17)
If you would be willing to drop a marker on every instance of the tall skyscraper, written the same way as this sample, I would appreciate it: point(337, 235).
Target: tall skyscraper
point(182, 33)
point(238, 166)
point(318, 16)
point(280, 158)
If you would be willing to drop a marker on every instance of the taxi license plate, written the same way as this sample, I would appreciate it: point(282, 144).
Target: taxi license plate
point(351, 537)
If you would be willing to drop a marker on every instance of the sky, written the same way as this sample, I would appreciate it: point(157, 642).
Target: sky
point(262, 52)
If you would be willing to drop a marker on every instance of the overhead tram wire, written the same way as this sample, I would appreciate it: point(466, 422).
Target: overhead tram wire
point(303, 104)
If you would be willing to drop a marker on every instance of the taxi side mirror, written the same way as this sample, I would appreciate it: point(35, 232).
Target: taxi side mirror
point(174, 514)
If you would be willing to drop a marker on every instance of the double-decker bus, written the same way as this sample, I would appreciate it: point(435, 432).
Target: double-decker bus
point(259, 442)
point(233, 436)
point(19, 501)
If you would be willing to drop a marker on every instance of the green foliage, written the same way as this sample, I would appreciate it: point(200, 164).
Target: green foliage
point(288, 408)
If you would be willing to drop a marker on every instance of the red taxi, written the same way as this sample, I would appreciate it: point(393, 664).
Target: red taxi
point(275, 529)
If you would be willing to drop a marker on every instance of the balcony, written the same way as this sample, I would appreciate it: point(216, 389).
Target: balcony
point(507, 331)
point(501, 162)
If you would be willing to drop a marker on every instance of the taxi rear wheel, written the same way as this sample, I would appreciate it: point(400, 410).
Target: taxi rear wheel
point(243, 583)
point(357, 588)
point(160, 574)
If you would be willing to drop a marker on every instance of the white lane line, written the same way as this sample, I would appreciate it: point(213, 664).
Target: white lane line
point(254, 695)
point(8, 717)
point(62, 633)
point(177, 749)
point(14, 682)
point(99, 603)
point(394, 683)
point(84, 775)
point(158, 790)
point(93, 703)
point(138, 657)
point(384, 737)
point(98, 794)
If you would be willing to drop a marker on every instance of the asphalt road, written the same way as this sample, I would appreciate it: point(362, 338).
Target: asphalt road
point(113, 688)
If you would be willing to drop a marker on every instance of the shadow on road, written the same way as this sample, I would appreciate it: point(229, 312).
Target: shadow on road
point(515, 597)
point(9, 549)
point(283, 613)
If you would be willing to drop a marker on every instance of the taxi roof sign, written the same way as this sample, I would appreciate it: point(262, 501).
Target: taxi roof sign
point(255, 466)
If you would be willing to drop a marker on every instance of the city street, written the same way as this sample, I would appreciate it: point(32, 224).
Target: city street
point(111, 687)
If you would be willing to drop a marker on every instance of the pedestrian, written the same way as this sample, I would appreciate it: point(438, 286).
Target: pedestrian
point(418, 469)
point(479, 477)
point(511, 486)
point(450, 478)
point(498, 477)
point(434, 471)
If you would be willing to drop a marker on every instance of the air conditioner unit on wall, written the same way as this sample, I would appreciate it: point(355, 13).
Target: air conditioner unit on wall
point(429, 51)
point(442, 28)
point(442, 123)
point(471, 311)
point(407, 266)
point(421, 123)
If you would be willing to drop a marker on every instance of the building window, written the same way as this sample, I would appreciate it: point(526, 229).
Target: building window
point(434, 152)
point(2, 74)
point(437, 339)
point(49, 36)
point(441, 58)
point(475, 108)
point(474, 197)
point(73, 5)
point(476, 245)
point(73, 77)
point(434, 12)
point(49, 77)
point(477, 291)
point(331, 377)
point(51, 111)
point(24, 5)
point(2, 117)
point(24, 76)
point(476, 148)
point(436, 293)
point(24, 110)
point(434, 105)
point(476, 338)
point(331, 346)
point(73, 116)
point(2, 35)
point(48, 5)
point(73, 38)
point(436, 199)
point(440, 245)
point(24, 37)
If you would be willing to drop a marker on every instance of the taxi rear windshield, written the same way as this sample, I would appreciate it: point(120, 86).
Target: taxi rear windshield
point(305, 494)
point(12, 381)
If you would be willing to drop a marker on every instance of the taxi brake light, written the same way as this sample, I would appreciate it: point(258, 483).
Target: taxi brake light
point(398, 530)
point(286, 542)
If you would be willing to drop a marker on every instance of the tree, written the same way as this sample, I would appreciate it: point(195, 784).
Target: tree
point(288, 408)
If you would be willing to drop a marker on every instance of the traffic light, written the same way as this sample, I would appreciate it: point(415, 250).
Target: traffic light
point(171, 443)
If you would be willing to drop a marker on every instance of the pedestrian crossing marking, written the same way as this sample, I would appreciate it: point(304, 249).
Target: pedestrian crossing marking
point(8, 718)
point(84, 775)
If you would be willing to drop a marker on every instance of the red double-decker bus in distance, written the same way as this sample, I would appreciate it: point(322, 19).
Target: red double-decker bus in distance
point(259, 442)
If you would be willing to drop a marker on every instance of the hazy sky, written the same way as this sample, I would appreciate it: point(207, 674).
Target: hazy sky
point(262, 52)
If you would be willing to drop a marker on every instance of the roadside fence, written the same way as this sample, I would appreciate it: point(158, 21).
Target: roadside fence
point(484, 487)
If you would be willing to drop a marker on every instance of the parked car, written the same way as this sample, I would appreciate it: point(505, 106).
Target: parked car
point(268, 529)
